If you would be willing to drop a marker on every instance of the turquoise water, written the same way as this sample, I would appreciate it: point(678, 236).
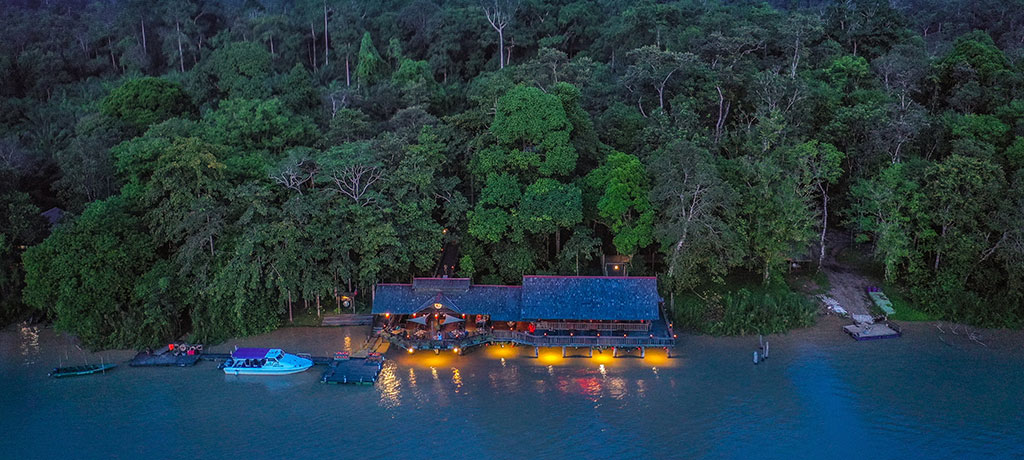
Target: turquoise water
point(820, 395)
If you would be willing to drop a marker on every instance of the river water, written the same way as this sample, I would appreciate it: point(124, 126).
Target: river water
point(820, 395)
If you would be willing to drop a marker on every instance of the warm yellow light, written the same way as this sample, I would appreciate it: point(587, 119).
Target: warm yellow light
point(387, 315)
point(502, 352)
point(411, 350)
point(550, 357)
point(456, 350)
point(657, 358)
point(616, 267)
point(602, 358)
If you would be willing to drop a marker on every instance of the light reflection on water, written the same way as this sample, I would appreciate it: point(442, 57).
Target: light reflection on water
point(815, 398)
point(389, 385)
point(29, 342)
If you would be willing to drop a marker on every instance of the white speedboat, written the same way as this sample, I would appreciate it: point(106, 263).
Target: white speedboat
point(264, 361)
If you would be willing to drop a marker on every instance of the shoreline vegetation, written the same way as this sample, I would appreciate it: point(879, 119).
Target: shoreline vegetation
point(205, 168)
point(310, 339)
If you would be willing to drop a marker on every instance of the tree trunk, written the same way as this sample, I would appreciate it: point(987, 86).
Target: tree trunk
point(113, 62)
point(501, 49)
point(272, 45)
point(558, 241)
point(348, 74)
point(291, 319)
point(318, 305)
point(938, 252)
point(144, 49)
point(824, 225)
point(312, 33)
point(181, 54)
point(327, 48)
point(796, 59)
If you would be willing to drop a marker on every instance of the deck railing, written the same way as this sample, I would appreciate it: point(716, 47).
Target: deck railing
point(524, 338)
point(579, 341)
point(434, 344)
point(588, 326)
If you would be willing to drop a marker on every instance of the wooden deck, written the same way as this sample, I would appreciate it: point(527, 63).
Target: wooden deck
point(523, 338)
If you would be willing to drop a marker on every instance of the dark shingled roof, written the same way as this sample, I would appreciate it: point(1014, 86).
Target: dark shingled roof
point(502, 303)
point(540, 297)
point(440, 284)
point(585, 297)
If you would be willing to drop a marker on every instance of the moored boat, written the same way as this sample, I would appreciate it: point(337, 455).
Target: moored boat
point(60, 372)
point(264, 361)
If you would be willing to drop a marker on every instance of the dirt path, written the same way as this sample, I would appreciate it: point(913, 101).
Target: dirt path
point(846, 286)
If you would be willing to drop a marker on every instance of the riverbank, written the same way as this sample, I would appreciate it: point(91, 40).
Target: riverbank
point(24, 340)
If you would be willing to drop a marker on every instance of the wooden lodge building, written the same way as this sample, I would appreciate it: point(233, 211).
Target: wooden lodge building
point(545, 311)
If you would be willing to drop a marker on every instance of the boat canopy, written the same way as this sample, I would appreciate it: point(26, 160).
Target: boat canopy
point(255, 353)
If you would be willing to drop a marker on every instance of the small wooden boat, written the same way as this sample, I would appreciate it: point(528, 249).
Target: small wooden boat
point(59, 372)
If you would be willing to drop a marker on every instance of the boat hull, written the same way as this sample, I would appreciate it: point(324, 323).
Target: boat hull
point(63, 372)
point(259, 371)
point(275, 363)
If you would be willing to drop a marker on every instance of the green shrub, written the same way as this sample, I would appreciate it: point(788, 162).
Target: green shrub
point(746, 310)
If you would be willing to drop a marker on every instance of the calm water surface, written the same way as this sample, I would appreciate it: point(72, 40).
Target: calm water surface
point(820, 395)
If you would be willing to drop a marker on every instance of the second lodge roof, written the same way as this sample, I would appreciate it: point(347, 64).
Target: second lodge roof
point(540, 297)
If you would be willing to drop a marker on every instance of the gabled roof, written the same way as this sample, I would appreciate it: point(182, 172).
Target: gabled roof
point(501, 303)
point(540, 297)
point(590, 297)
point(440, 284)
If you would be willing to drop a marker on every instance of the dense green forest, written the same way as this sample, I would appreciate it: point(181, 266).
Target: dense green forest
point(218, 159)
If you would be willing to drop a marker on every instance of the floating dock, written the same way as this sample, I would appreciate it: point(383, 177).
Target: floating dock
point(149, 359)
point(874, 331)
point(360, 371)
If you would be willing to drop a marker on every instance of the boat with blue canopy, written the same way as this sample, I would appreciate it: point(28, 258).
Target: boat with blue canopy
point(265, 361)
